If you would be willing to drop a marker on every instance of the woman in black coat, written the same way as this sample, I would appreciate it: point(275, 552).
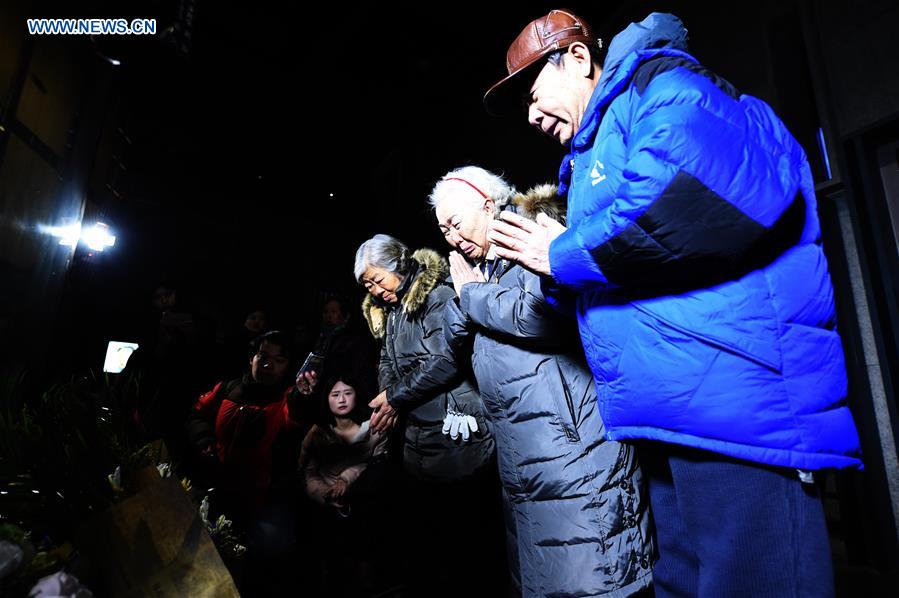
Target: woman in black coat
point(418, 375)
point(448, 449)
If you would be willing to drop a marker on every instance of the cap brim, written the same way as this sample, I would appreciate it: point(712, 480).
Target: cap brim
point(506, 95)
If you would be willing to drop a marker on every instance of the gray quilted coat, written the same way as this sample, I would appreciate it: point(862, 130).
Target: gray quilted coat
point(576, 506)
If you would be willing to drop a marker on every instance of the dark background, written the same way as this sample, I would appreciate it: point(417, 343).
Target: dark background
point(214, 148)
point(244, 157)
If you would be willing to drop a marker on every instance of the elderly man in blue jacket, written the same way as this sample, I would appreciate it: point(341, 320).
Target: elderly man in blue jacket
point(693, 258)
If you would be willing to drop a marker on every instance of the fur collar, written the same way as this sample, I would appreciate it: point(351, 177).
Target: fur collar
point(542, 198)
point(432, 269)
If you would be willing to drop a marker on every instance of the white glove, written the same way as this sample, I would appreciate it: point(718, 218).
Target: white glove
point(463, 426)
point(454, 427)
point(457, 424)
point(448, 421)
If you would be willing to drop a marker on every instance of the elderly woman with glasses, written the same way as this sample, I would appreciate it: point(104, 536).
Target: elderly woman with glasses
point(574, 500)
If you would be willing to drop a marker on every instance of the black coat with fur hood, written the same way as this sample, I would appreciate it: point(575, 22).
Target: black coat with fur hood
point(422, 377)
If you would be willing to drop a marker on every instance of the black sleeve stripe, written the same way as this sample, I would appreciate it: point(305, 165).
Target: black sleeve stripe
point(691, 237)
point(647, 71)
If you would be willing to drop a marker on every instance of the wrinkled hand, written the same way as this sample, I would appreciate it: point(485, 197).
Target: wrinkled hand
point(383, 415)
point(525, 241)
point(457, 424)
point(306, 382)
point(337, 491)
point(462, 272)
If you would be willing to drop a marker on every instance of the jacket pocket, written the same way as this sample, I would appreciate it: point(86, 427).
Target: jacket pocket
point(558, 388)
point(714, 341)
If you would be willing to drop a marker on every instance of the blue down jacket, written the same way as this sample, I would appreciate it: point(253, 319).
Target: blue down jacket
point(703, 295)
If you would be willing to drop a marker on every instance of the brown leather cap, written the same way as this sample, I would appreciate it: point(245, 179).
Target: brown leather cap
point(554, 31)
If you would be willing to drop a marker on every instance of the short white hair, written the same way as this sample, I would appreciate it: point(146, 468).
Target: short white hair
point(382, 251)
point(477, 179)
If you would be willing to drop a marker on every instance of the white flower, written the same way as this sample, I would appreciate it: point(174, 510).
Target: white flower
point(59, 585)
point(204, 510)
point(115, 479)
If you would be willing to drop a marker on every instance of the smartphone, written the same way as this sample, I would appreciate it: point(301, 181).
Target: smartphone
point(313, 363)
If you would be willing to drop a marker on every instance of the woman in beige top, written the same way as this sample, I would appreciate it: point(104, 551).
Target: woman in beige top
point(338, 449)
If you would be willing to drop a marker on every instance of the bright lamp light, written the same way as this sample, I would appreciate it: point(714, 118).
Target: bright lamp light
point(97, 237)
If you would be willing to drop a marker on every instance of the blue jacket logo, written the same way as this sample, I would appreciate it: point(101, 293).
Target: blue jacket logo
point(597, 176)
